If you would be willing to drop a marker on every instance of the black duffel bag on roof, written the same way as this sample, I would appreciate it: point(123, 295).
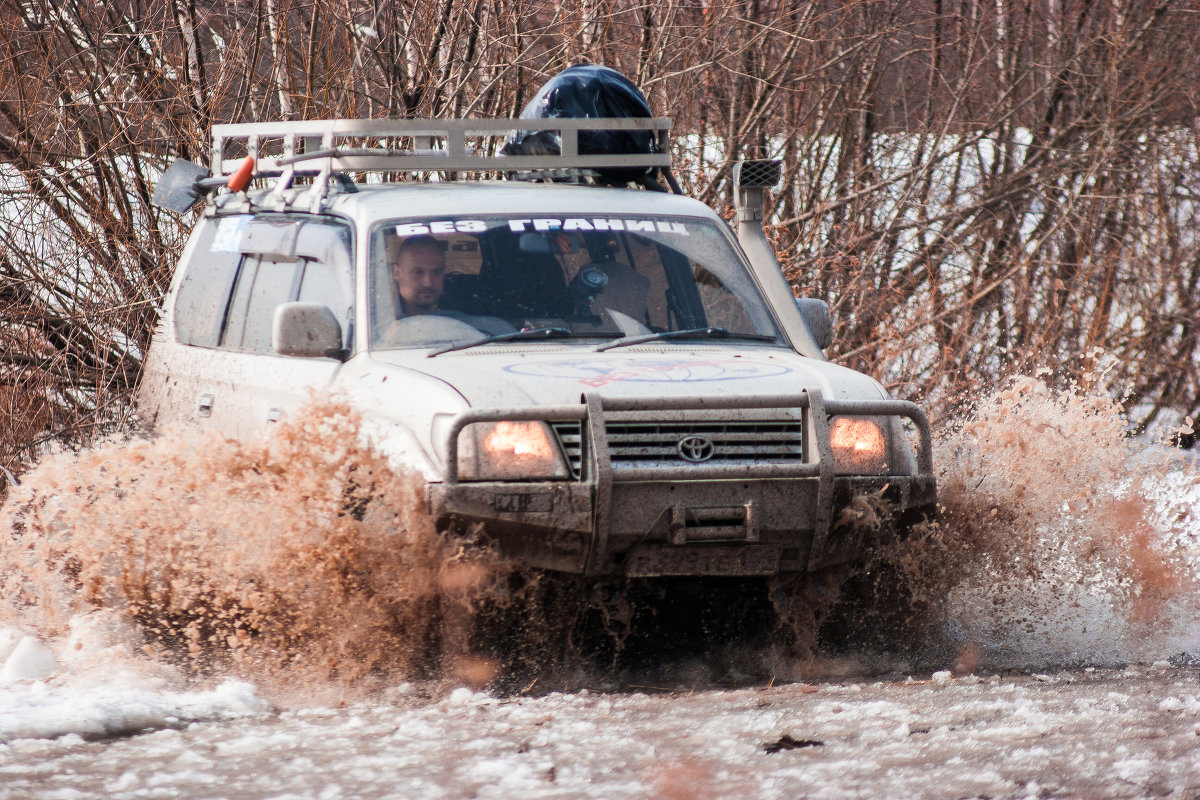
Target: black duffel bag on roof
point(588, 91)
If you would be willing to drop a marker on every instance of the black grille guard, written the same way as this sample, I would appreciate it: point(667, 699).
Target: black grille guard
point(593, 411)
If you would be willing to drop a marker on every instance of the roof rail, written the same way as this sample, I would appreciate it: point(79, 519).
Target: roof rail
point(313, 147)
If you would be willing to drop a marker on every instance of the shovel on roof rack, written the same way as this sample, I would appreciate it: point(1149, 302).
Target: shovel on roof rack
point(184, 183)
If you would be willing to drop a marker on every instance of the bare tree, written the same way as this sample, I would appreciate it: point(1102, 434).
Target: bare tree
point(977, 186)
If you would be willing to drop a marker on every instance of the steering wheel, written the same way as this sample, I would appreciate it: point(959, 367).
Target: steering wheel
point(432, 328)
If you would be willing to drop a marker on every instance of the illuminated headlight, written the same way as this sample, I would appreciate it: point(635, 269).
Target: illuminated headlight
point(509, 451)
point(859, 446)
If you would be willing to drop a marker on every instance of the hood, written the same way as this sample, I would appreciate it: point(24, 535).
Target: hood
point(496, 377)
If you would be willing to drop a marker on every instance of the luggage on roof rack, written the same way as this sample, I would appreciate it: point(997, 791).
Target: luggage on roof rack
point(588, 91)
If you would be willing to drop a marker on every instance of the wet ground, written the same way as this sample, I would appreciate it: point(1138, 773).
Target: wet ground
point(1103, 733)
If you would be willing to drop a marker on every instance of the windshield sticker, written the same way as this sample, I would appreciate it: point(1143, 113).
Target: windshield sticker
point(441, 226)
point(228, 237)
point(597, 224)
point(604, 371)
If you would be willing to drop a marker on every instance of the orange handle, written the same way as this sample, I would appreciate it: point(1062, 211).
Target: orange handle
point(239, 180)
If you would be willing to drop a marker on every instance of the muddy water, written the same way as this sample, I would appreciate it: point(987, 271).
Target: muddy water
point(1061, 539)
point(303, 564)
point(297, 560)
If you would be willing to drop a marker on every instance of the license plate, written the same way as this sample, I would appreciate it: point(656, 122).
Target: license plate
point(650, 562)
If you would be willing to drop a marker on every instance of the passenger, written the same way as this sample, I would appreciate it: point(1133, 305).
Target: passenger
point(419, 270)
point(626, 292)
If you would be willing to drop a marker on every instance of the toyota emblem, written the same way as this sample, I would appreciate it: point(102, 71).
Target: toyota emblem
point(695, 449)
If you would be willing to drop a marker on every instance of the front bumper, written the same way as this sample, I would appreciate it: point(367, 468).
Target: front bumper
point(684, 519)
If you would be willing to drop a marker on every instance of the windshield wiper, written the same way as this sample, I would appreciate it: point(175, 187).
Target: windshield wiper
point(555, 332)
point(690, 333)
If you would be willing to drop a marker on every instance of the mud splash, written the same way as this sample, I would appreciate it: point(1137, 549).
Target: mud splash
point(295, 560)
point(303, 563)
point(1062, 541)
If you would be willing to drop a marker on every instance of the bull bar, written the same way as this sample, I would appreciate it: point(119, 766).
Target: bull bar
point(593, 413)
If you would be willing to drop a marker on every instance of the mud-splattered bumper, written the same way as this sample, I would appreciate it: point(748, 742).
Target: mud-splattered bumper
point(683, 528)
point(660, 518)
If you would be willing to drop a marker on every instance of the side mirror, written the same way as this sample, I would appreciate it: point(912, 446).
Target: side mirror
point(818, 319)
point(309, 330)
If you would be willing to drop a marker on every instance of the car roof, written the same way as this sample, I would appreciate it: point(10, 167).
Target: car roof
point(465, 198)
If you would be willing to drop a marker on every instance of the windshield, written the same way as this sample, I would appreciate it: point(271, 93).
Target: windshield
point(458, 280)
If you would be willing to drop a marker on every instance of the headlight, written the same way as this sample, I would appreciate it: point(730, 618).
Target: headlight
point(859, 446)
point(509, 451)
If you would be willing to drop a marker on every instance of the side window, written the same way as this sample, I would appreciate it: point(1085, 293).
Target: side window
point(203, 298)
point(307, 261)
point(261, 286)
point(326, 271)
point(319, 285)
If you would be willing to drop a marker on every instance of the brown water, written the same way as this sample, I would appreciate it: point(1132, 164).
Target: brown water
point(303, 562)
point(297, 558)
point(1061, 540)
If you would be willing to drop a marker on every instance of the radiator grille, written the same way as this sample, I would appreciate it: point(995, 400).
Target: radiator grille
point(770, 441)
point(570, 436)
point(642, 443)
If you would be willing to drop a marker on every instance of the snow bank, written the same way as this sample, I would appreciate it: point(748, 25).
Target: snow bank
point(48, 709)
point(96, 683)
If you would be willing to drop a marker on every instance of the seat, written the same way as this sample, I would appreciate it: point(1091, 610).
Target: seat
point(529, 285)
point(464, 292)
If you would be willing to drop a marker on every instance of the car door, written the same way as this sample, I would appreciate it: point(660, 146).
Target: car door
point(235, 381)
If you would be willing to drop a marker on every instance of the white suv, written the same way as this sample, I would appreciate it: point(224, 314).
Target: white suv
point(606, 378)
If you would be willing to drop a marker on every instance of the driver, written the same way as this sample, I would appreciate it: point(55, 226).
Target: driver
point(419, 270)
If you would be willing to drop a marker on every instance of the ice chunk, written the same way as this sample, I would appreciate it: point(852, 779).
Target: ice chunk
point(9, 637)
point(29, 660)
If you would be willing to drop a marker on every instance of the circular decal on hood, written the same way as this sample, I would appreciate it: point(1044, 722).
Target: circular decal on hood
point(598, 372)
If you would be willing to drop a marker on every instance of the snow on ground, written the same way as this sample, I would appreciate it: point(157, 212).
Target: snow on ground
point(1088, 733)
point(41, 709)
point(97, 687)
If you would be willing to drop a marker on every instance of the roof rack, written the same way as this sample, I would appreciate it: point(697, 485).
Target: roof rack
point(323, 147)
point(371, 145)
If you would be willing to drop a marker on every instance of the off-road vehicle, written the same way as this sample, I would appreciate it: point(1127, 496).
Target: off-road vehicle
point(609, 379)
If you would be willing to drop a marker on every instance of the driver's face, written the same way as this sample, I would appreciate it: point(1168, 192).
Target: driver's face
point(420, 274)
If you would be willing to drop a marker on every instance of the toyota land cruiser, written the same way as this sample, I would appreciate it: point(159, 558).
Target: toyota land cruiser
point(609, 379)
